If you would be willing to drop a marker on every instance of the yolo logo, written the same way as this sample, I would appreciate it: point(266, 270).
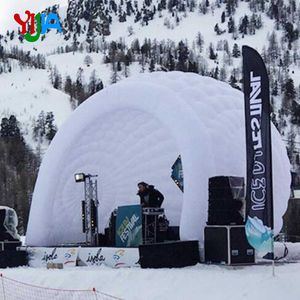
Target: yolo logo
point(38, 24)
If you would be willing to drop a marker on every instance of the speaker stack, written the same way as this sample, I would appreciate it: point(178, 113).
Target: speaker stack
point(224, 238)
point(175, 254)
point(225, 203)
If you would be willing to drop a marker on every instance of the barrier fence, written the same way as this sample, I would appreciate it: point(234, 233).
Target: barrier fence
point(11, 289)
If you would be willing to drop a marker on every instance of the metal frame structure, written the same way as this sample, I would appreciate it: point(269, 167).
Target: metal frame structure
point(150, 227)
point(90, 206)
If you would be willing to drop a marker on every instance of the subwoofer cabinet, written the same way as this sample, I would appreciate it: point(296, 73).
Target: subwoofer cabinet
point(227, 245)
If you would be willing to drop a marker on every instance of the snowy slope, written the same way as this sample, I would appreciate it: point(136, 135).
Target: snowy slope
point(189, 26)
point(25, 93)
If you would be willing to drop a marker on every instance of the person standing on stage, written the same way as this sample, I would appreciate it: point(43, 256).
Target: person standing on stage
point(149, 196)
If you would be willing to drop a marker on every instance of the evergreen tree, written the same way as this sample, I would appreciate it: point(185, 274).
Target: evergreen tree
point(289, 95)
point(95, 84)
point(212, 54)
point(10, 129)
point(39, 129)
point(223, 74)
point(79, 86)
point(18, 170)
point(217, 30)
point(68, 87)
point(236, 51)
point(183, 54)
point(231, 25)
point(273, 49)
point(199, 41)
point(152, 65)
point(230, 7)
point(50, 127)
point(275, 89)
point(171, 62)
point(57, 80)
point(223, 17)
point(243, 28)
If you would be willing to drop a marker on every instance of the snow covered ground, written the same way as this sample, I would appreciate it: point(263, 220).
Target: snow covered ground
point(199, 282)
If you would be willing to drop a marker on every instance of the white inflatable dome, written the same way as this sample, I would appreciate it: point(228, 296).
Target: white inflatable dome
point(134, 131)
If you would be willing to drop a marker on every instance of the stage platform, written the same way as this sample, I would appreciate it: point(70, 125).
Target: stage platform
point(39, 257)
point(169, 254)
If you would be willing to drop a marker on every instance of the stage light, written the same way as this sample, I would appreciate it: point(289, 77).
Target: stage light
point(79, 177)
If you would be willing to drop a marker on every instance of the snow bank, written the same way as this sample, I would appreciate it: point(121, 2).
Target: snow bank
point(134, 130)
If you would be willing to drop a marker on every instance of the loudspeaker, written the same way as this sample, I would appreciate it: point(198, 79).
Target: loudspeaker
point(225, 200)
point(224, 217)
point(227, 245)
point(10, 245)
point(13, 258)
point(228, 187)
point(169, 255)
point(173, 233)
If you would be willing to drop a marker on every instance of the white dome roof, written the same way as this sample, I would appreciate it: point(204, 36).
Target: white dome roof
point(133, 131)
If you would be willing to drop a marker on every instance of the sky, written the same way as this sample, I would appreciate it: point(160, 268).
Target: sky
point(9, 7)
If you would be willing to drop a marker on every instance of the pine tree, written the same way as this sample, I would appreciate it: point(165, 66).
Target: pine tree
point(171, 62)
point(39, 129)
point(18, 170)
point(212, 54)
point(10, 129)
point(273, 49)
point(243, 28)
point(183, 54)
point(79, 86)
point(236, 51)
point(230, 7)
point(289, 95)
point(5, 128)
point(50, 127)
point(199, 41)
point(217, 30)
point(57, 80)
point(68, 86)
point(275, 89)
point(289, 90)
point(291, 146)
point(231, 25)
point(152, 65)
point(223, 17)
point(223, 74)
point(95, 84)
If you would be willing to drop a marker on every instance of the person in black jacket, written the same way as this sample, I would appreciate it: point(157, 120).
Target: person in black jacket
point(149, 196)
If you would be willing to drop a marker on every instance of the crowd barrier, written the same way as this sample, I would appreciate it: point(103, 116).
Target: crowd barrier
point(11, 289)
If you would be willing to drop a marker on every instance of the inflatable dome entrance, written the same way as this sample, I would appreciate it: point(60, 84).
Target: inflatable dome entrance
point(134, 131)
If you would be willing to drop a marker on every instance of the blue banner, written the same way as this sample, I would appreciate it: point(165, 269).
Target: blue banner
point(129, 226)
point(177, 173)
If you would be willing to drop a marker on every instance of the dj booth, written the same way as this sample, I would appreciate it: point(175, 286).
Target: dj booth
point(148, 230)
point(132, 225)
